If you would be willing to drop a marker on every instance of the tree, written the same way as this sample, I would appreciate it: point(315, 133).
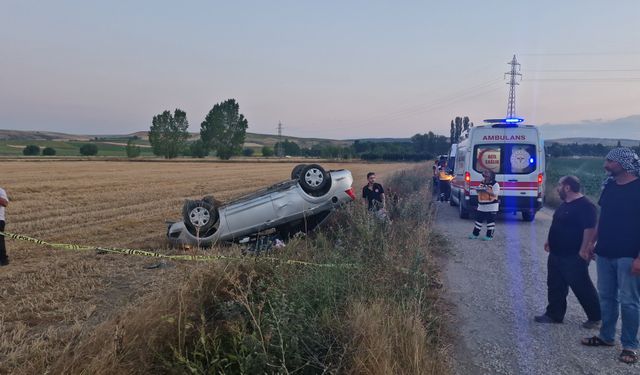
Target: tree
point(89, 149)
point(289, 147)
point(197, 149)
point(452, 133)
point(247, 152)
point(31, 150)
point(133, 150)
point(267, 151)
point(619, 144)
point(168, 133)
point(49, 151)
point(224, 129)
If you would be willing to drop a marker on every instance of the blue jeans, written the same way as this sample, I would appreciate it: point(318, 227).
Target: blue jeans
point(619, 287)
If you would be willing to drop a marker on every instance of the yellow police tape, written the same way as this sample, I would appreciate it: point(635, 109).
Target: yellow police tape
point(165, 256)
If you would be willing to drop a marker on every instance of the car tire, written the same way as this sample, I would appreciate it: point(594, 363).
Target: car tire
point(528, 215)
point(462, 212)
point(313, 178)
point(295, 173)
point(200, 216)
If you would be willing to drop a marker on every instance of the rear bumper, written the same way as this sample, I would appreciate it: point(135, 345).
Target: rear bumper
point(510, 204)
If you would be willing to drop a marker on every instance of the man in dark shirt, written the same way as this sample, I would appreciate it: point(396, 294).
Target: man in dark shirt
point(617, 246)
point(571, 231)
point(373, 193)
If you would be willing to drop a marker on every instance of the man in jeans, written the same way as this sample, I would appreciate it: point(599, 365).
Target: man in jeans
point(4, 201)
point(618, 249)
point(572, 228)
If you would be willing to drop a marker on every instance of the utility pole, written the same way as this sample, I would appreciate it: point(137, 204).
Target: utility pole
point(280, 148)
point(515, 71)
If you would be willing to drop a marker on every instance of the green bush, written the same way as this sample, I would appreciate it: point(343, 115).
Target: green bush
point(267, 151)
point(247, 152)
point(133, 150)
point(198, 149)
point(49, 151)
point(31, 150)
point(89, 149)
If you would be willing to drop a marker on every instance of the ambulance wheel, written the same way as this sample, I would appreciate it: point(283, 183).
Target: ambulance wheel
point(528, 215)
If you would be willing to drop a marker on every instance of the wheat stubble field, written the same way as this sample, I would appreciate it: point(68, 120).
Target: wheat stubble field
point(50, 298)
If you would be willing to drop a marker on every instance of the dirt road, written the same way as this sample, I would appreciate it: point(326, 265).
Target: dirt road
point(496, 288)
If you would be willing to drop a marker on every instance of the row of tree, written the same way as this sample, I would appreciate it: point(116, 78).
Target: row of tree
point(87, 149)
point(574, 149)
point(223, 132)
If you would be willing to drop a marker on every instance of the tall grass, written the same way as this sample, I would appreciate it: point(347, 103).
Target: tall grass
point(374, 311)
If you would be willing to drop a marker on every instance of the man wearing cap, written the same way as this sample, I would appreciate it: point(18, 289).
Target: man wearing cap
point(617, 249)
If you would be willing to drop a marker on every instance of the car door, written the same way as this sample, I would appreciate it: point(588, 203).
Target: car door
point(250, 215)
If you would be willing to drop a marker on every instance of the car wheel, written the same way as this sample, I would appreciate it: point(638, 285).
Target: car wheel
point(528, 215)
point(295, 173)
point(463, 212)
point(199, 216)
point(313, 178)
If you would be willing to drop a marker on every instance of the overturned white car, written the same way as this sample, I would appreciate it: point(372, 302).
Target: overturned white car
point(296, 205)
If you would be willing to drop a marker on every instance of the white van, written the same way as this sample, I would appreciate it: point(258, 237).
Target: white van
point(515, 153)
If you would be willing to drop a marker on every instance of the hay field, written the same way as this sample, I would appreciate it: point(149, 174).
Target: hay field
point(50, 298)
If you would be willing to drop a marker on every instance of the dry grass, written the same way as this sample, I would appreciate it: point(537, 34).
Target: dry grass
point(53, 299)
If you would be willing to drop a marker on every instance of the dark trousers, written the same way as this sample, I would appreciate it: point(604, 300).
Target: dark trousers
point(445, 190)
point(564, 272)
point(490, 218)
point(3, 250)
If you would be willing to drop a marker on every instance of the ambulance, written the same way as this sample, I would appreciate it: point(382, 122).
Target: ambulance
point(515, 153)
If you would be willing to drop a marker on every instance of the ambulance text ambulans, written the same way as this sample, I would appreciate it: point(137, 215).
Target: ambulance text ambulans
point(515, 153)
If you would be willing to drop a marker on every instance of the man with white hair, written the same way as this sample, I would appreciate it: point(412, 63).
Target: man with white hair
point(617, 247)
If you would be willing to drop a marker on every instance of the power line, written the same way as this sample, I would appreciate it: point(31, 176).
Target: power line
point(583, 70)
point(617, 79)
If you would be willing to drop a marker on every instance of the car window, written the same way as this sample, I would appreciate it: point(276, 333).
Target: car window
point(487, 157)
point(505, 158)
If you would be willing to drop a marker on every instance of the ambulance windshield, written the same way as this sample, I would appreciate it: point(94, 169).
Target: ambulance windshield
point(505, 158)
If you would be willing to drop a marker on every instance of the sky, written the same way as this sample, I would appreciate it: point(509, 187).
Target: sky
point(330, 69)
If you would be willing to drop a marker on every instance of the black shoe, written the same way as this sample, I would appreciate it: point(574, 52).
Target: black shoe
point(4, 262)
point(544, 318)
point(591, 324)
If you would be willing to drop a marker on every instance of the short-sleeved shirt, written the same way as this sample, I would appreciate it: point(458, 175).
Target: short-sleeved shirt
point(619, 225)
point(3, 194)
point(373, 196)
point(569, 223)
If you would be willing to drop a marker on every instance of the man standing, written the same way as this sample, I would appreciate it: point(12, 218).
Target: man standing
point(571, 232)
point(617, 246)
point(444, 185)
point(373, 193)
point(4, 201)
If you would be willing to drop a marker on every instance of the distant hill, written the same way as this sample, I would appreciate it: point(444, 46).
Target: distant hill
point(251, 140)
point(21, 135)
point(623, 128)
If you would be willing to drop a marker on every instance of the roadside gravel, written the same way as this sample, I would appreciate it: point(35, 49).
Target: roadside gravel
point(495, 288)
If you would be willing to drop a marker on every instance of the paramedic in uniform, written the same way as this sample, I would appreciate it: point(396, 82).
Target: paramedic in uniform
point(488, 192)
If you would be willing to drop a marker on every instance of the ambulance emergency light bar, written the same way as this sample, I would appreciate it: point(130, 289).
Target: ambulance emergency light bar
point(510, 121)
